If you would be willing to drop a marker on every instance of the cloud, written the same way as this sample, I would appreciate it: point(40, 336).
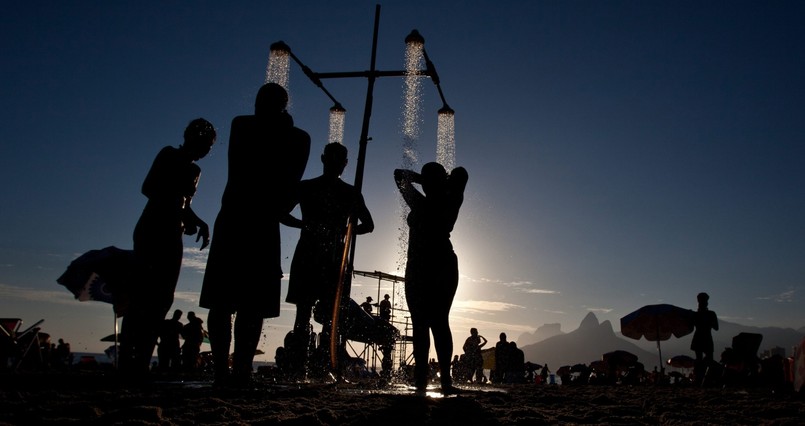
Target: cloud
point(599, 310)
point(195, 259)
point(187, 296)
point(524, 286)
point(64, 296)
point(483, 306)
point(784, 297)
point(539, 291)
point(458, 320)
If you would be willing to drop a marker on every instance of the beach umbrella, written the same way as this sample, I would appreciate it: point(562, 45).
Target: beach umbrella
point(681, 361)
point(530, 366)
point(599, 366)
point(110, 338)
point(619, 359)
point(658, 323)
point(102, 275)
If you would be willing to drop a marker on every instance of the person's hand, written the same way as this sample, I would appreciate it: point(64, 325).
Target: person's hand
point(190, 229)
point(204, 235)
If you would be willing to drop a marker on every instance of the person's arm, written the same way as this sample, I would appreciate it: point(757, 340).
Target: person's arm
point(405, 180)
point(194, 224)
point(458, 180)
point(484, 341)
point(365, 222)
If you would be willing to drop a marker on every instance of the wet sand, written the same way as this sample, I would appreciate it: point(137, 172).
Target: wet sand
point(93, 399)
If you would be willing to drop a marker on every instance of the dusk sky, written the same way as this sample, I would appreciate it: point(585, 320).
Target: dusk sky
point(620, 153)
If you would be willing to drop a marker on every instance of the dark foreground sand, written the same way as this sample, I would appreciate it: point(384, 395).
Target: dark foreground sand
point(89, 399)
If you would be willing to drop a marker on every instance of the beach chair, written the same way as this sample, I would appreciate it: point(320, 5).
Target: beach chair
point(19, 346)
point(741, 363)
point(9, 327)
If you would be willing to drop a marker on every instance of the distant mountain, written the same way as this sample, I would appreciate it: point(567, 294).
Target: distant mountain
point(592, 339)
point(584, 345)
point(543, 332)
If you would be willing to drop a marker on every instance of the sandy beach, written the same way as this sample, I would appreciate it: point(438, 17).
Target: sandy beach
point(98, 399)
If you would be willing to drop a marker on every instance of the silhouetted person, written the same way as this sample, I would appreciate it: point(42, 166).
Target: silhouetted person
point(367, 305)
point(64, 355)
point(193, 335)
point(431, 271)
point(326, 203)
point(543, 374)
point(702, 343)
point(472, 353)
point(502, 363)
point(385, 308)
point(170, 185)
point(456, 368)
point(516, 369)
point(170, 350)
point(267, 158)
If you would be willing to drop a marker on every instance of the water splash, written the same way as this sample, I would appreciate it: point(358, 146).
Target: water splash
point(446, 139)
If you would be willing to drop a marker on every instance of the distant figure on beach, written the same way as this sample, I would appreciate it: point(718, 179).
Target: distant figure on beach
point(327, 203)
point(431, 271)
point(367, 305)
point(515, 372)
point(472, 352)
point(169, 351)
point(266, 159)
point(456, 368)
point(64, 355)
point(702, 343)
point(501, 360)
point(193, 335)
point(170, 186)
point(385, 308)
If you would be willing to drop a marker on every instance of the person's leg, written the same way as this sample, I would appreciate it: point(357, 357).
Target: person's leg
point(443, 341)
point(219, 328)
point(421, 340)
point(298, 345)
point(440, 307)
point(248, 326)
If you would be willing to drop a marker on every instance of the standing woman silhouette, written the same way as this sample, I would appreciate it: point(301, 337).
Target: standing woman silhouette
point(702, 343)
point(431, 272)
point(170, 185)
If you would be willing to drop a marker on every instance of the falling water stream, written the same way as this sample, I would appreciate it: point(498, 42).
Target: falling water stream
point(278, 68)
point(410, 133)
point(446, 139)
